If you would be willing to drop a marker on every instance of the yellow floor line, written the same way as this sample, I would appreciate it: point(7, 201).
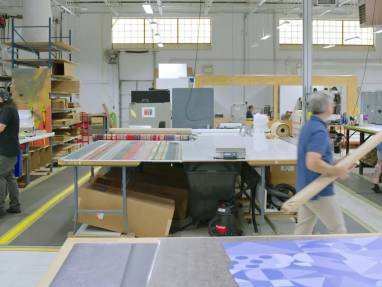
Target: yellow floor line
point(32, 249)
point(12, 234)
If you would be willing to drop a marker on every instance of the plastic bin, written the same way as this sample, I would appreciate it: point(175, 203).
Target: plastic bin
point(210, 184)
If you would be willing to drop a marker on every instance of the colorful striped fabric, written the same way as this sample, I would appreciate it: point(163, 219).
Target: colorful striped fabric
point(141, 137)
point(128, 151)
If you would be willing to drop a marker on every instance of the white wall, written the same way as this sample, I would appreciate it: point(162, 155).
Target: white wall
point(99, 83)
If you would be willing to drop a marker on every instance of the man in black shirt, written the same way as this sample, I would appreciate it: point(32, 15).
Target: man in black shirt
point(9, 150)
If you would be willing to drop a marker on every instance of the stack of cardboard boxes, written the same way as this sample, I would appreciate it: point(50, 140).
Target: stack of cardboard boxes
point(156, 196)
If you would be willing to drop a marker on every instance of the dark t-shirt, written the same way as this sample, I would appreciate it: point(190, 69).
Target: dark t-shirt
point(9, 138)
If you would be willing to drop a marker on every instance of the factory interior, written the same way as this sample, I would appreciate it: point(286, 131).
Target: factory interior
point(163, 143)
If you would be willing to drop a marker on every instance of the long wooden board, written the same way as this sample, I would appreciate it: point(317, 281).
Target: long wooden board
point(320, 183)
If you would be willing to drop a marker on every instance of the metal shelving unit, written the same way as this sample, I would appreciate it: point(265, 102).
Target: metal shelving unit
point(54, 47)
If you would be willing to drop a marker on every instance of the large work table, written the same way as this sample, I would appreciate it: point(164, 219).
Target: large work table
point(365, 132)
point(129, 154)
point(321, 260)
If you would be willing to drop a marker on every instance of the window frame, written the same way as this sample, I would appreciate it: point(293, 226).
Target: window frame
point(340, 45)
point(178, 43)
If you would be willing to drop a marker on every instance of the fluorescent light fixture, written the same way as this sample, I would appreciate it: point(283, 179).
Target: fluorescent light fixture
point(378, 31)
point(329, 46)
point(343, 3)
point(148, 9)
point(255, 45)
point(352, 38)
point(266, 37)
point(84, 9)
point(285, 23)
point(325, 12)
point(262, 3)
point(160, 45)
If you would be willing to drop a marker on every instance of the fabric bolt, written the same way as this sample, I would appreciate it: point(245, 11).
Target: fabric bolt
point(141, 137)
point(337, 262)
point(327, 210)
point(8, 183)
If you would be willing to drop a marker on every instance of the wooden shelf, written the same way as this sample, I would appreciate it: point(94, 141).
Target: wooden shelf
point(42, 63)
point(63, 111)
point(65, 141)
point(42, 47)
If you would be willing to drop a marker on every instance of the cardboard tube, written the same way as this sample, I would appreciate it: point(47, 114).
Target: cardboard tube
point(320, 183)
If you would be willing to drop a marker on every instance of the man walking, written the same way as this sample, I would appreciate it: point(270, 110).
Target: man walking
point(9, 150)
point(315, 158)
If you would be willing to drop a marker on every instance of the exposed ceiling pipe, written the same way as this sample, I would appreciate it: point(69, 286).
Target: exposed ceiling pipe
point(63, 7)
point(107, 3)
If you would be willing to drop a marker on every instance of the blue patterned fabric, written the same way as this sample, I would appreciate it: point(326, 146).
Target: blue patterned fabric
point(344, 262)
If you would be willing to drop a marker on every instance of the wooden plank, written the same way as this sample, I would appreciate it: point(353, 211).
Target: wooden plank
point(61, 86)
point(319, 184)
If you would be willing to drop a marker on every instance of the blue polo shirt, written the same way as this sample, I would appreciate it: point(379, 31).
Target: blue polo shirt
point(314, 137)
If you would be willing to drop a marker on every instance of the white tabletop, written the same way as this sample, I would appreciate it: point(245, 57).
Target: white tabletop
point(371, 127)
point(204, 148)
point(36, 138)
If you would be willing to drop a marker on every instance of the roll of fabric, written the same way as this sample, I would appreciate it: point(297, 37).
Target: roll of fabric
point(280, 129)
point(142, 137)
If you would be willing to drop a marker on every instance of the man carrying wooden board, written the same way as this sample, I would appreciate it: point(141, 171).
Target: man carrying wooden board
point(315, 158)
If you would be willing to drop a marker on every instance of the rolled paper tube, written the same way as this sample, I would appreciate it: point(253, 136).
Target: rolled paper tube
point(280, 129)
point(323, 181)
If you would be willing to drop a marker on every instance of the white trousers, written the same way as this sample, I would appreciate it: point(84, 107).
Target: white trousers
point(327, 210)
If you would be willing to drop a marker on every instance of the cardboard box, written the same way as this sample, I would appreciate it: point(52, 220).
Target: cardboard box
point(63, 68)
point(69, 87)
point(154, 187)
point(34, 159)
point(45, 156)
point(59, 104)
point(148, 215)
point(282, 174)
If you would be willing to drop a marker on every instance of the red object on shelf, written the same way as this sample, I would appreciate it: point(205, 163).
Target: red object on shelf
point(3, 22)
point(85, 129)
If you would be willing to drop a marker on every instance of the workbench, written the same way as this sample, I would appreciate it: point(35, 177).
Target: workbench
point(339, 260)
point(27, 142)
point(365, 132)
point(129, 154)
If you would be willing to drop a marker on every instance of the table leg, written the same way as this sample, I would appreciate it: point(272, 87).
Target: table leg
point(51, 158)
point(75, 199)
point(361, 141)
point(347, 141)
point(262, 197)
point(92, 171)
point(28, 167)
point(124, 196)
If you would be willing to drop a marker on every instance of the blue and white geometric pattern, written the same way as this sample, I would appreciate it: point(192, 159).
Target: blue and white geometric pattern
point(340, 262)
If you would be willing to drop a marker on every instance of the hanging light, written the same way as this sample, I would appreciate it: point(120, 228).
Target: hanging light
point(160, 45)
point(265, 37)
point(378, 31)
point(148, 9)
point(329, 46)
point(285, 23)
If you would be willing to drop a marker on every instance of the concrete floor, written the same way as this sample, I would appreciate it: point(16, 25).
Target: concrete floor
point(51, 229)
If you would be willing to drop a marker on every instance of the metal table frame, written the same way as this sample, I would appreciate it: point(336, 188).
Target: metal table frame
point(364, 135)
point(26, 150)
point(78, 211)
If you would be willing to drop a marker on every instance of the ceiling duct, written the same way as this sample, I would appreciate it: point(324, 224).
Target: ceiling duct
point(370, 13)
point(326, 2)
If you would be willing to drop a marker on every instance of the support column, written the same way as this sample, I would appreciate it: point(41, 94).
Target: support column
point(308, 43)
